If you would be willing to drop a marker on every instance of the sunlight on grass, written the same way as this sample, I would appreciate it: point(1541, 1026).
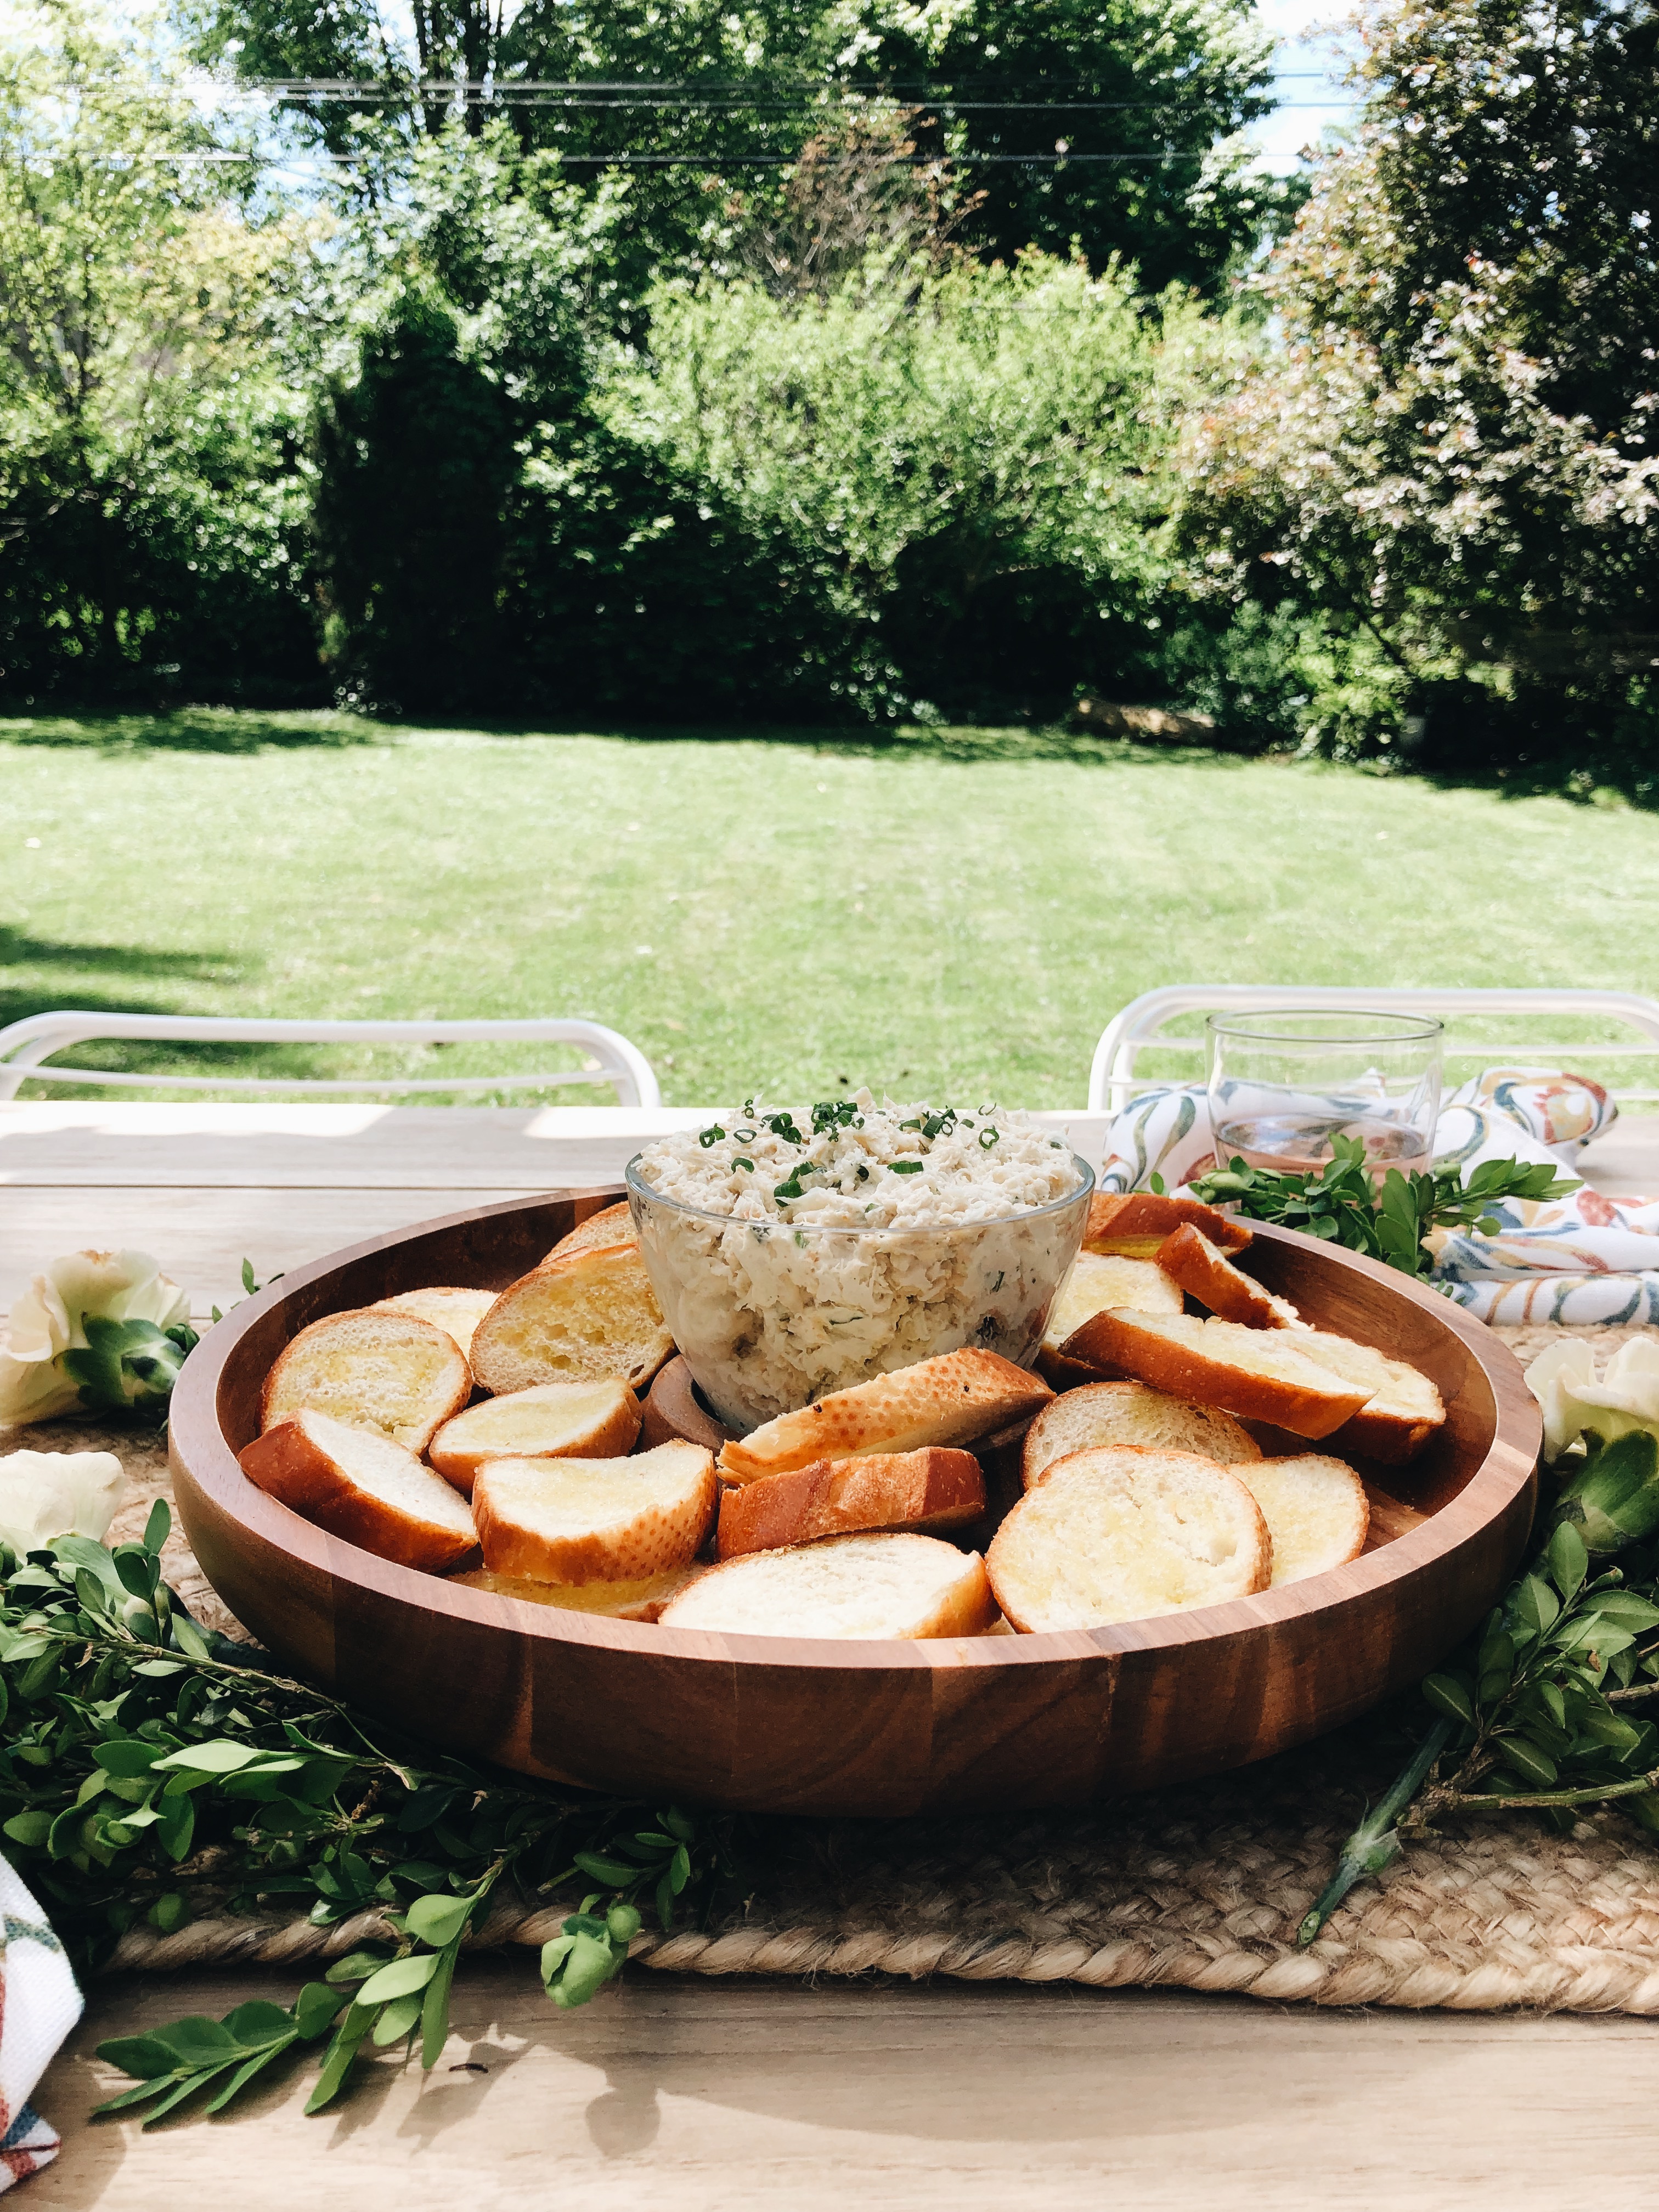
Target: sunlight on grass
point(955, 913)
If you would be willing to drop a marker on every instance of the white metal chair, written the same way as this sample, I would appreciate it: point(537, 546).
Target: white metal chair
point(1113, 1081)
point(26, 1045)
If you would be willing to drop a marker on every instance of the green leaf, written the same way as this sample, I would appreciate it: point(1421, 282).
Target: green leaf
point(439, 1920)
point(354, 2026)
point(589, 1965)
point(434, 2009)
point(208, 1759)
point(397, 2020)
point(188, 1638)
point(32, 1827)
point(401, 1978)
point(614, 1873)
point(315, 2007)
point(1448, 1694)
point(1568, 1562)
point(159, 1527)
point(128, 1756)
point(147, 2056)
point(245, 2072)
point(1531, 1764)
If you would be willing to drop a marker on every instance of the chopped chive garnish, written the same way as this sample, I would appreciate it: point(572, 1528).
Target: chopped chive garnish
point(863, 1173)
point(749, 1165)
point(916, 1124)
point(710, 1136)
point(907, 1166)
point(745, 1136)
point(988, 1137)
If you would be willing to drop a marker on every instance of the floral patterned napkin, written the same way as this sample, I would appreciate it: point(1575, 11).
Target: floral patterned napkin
point(1585, 1260)
point(39, 2005)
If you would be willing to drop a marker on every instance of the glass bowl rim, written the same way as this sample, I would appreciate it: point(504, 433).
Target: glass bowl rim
point(1252, 1027)
point(636, 1181)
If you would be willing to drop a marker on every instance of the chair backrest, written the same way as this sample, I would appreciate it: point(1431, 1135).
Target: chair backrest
point(26, 1045)
point(1143, 1023)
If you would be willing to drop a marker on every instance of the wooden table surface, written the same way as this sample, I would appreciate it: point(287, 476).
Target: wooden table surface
point(680, 2093)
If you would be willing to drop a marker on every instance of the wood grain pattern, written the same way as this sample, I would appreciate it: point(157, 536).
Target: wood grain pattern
point(801, 1726)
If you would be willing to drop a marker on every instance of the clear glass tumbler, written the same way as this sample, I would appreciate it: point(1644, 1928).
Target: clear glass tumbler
point(1283, 1084)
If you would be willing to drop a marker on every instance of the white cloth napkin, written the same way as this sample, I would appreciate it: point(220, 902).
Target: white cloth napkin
point(39, 2005)
point(1585, 1260)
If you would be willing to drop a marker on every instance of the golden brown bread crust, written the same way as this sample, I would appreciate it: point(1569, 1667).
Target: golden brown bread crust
point(1136, 1222)
point(954, 1400)
point(291, 1464)
point(1120, 1412)
point(612, 1224)
point(540, 1329)
point(1202, 1376)
point(458, 1451)
point(661, 1534)
point(1188, 1257)
point(923, 1490)
point(377, 1332)
point(1383, 1437)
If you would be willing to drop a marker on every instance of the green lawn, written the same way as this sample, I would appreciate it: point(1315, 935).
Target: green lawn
point(952, 913)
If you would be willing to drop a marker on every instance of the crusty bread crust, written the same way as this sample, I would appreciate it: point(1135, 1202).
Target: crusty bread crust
point(588, 1315)
point(954, 1400)
point(1317, 1511)
point(1403, 1410)
point(1130, 1413)
point(1188, 1258)
point(594, 1521)
point(359, 1486)
point(373, 1369)
point(1136, 1222)
point(553, 1420)
point(863, 1585)
point(1125, 1533)
point(612, 1224)
point(1255, 1374)
point(927, 1490)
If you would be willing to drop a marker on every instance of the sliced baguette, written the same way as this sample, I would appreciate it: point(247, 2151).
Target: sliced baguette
point(1130, 1413)
point(1402, 1411)
point(1136, 1222)
point(386, 1371)
point(553, 1420)
point(643, 1598)
point(1099, 1281)
point(594, 1520)
point(1260, 1374)
point(363, 1487)
point(921, 1491)
point(845, 1586)
point(587, 1316)
point(1122, 1533)
point(953, 1400)
point(1187, 1258)
point(1315, 1509)
point(457, 1312)
point(613, 1224)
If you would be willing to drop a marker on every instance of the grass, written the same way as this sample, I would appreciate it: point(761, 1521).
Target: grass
point(955, 913)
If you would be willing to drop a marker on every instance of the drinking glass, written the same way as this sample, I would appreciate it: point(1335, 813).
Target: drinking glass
point(1283, 1084)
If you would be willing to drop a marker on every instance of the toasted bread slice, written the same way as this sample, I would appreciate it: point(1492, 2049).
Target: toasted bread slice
point(1188, 1258)
point(1136, 1222)
point(613, 1224)
point(845, 1586)
point(363, 1487)
point(554, 1420)
point(457, 1312)
point(594, 1520)
point(1259, 1373)
point(589, 1316)
point(642, 1599)
point(386, 1372)
point(1404, 1408)
point(1099, 1281)
point(1130, 1413)
point(1121, 1533)
point(953, 1400)
point(924, 1491)
point(1315, 1509)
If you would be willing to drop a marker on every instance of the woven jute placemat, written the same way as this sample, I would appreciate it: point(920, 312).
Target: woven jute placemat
point(1199, 1887)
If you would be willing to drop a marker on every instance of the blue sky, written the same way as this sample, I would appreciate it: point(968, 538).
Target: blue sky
point(1309, 103)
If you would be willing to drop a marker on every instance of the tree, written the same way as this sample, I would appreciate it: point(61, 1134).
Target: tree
point(147, 437)
point(1450, 450)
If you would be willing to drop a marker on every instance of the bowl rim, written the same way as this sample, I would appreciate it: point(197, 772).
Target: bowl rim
point(1084, 1191)
point(200, 1453)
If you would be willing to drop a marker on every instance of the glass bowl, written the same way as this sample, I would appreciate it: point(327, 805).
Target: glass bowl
point(771, 1317)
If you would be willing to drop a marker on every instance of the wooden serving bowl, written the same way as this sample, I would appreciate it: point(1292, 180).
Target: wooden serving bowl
point(811, 1725)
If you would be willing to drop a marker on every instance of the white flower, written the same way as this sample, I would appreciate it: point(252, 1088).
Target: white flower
point(50, 1319)
point(1574, 1399)
point(44, 1495)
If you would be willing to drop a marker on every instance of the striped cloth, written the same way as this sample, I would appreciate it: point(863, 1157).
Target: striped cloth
point(1584, 1261)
